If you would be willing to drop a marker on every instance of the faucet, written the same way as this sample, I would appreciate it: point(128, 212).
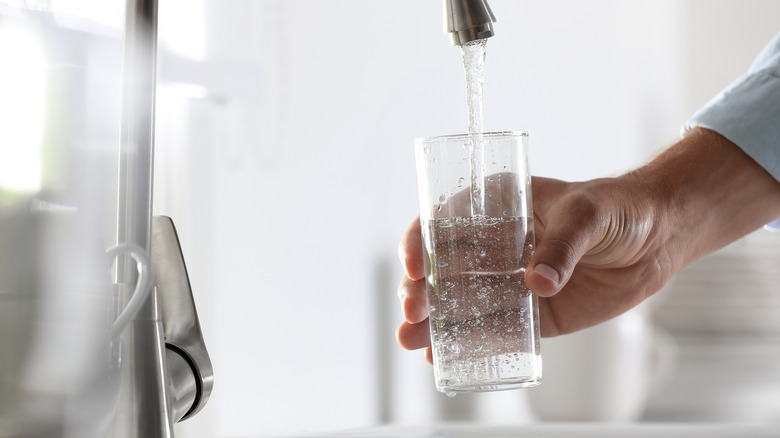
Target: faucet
point(187, 363)
point(166, 373)
point(467, 20)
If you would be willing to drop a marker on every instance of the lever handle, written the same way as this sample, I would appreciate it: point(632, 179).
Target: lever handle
point(190, 389)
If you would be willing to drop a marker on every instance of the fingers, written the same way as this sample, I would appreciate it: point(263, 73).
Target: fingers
point(414, 336)
point(569, 233)
point(410, 251)
point(551, 267)
point(414, 300)
point(414, 332)
point(548, 324)
point(429, 355)
point(411, 291)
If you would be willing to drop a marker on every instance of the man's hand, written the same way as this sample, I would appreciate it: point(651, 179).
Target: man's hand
point(605, 245)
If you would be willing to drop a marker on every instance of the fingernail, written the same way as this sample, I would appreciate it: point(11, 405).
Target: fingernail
point(547, 272)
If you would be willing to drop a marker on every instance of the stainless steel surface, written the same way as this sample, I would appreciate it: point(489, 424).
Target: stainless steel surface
point(182, 386)
point(167, 373)
point(182, 327)
point(467, 20)
point(143, 409)
point(159, 387)
point(53, 295)
point(137, 135)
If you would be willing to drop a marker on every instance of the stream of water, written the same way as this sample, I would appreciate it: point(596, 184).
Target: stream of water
point(473, 54)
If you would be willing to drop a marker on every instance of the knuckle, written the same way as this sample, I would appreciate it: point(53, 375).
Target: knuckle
point(585, 207)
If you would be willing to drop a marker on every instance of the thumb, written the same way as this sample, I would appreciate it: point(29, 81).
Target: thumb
point(565, 240)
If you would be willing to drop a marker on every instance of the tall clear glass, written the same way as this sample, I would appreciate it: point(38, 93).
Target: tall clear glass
point(478, 236)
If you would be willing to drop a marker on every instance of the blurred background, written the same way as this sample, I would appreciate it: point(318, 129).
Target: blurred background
point(284, 153)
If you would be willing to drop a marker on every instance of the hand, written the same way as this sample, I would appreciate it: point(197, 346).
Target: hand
point(591, 223)
point(605, 245)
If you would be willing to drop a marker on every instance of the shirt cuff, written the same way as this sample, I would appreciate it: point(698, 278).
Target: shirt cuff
point(773, 226)
point(748, 114)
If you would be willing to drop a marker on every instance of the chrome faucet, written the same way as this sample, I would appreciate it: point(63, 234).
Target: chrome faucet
point(166, 373)
point(467, 20)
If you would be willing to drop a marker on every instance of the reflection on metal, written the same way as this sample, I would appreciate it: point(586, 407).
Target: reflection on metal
point(192, 377)
point(159, 387)
point(467, 20)
point(137, 137)
point(143, 410)
point(69, 366)
point(169, 378)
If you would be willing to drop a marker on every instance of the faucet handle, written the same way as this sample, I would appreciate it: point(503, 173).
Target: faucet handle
point(189, 371)
point(467, 20)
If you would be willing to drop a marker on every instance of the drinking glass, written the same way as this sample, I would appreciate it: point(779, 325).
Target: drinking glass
point(478, 236)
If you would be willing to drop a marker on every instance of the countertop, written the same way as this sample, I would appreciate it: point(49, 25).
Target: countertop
point(566, 430)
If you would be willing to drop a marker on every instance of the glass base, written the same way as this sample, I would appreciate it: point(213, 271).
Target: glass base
point(493, 373)
point(489, 386)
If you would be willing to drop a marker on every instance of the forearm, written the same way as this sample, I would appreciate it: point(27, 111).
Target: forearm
point(710, 193)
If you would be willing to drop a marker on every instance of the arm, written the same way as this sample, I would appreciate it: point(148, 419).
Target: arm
point(715, 185)
point(628, 235)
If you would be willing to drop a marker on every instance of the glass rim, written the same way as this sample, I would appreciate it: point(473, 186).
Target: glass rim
point(492, 134)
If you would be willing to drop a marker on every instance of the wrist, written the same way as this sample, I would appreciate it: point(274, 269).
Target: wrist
point(706, 193)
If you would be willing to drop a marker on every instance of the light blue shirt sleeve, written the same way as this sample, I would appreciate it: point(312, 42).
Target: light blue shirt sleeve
point(747, 112)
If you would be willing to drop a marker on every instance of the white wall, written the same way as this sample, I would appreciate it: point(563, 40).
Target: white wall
point(292, 178)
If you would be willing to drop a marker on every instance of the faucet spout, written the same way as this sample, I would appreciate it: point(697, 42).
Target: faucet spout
point(467, 20)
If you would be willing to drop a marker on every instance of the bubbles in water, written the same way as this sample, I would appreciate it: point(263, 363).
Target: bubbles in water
point(473, 55)
point(482, 337)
